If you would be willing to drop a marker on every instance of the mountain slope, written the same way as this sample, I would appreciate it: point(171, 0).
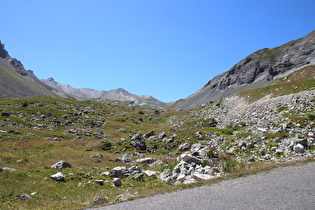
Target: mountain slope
point(259, 69)
point(15, 81)
point(117, 95)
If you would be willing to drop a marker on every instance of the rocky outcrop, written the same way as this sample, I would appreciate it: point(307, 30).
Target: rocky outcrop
point(259, 69)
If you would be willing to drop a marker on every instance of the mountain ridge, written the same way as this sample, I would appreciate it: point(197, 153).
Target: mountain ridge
point(259, 69)
point(16, 81)
point(118, 94)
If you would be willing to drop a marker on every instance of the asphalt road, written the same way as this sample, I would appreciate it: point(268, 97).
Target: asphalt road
point(291, 187)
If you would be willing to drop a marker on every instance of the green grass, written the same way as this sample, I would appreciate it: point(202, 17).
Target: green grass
point(296, 82)
point(32, 154)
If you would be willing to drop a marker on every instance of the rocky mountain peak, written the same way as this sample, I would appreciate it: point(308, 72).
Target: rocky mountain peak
point(3, 52)
point(259, 69)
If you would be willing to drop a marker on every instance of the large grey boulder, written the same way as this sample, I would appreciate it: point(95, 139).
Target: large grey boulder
point(126, 158)
point(119, 171)
point(138, 142)
point(189, 159)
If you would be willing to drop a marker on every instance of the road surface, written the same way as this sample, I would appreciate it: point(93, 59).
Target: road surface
point(291, 187)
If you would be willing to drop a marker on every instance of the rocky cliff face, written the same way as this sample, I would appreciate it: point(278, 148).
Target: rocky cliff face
point(15, 81)
point(259, 69)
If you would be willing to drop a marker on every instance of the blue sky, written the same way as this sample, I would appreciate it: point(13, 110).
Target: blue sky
point(165, 48)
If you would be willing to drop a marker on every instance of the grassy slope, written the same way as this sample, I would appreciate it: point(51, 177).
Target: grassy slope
point(298, 81)
point(15, 85)
point(32, 154)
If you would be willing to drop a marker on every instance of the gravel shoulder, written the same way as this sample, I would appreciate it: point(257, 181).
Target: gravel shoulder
point(291, 187)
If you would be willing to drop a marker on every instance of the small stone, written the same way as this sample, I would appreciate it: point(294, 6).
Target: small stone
point(98, 200)
point(149, 173)
point(7, 169)
point(137, 176)
point(97, 156)
point(117, 182)
point(99, 181)
point(202, 177)
point(123, 197)
point(61, 164)
point(58, 177)
point(105, 173)
point(25, 197)
point(147, 160)
point(299, 148)
point(184, 147)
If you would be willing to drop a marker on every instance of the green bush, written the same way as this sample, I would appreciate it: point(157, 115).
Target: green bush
point(24, 104)
point(282, 109)
point(228, 163)
point(311, 116)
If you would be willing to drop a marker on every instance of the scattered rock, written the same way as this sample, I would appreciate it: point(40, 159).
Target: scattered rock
point(117, 182)
point(118, 172)
point(99, 181)
point(184, 147)
point(124, 197)
point(61, 164)
point(126, 158)
point(138, 142)
point(58, 177)
point(162, 135)
point(97, 156)
point(25, 197)
point(146, 161)
point(98, 200)
point(7, 169)
point(299, 148)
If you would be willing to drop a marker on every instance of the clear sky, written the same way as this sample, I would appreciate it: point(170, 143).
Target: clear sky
point(165, 48)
